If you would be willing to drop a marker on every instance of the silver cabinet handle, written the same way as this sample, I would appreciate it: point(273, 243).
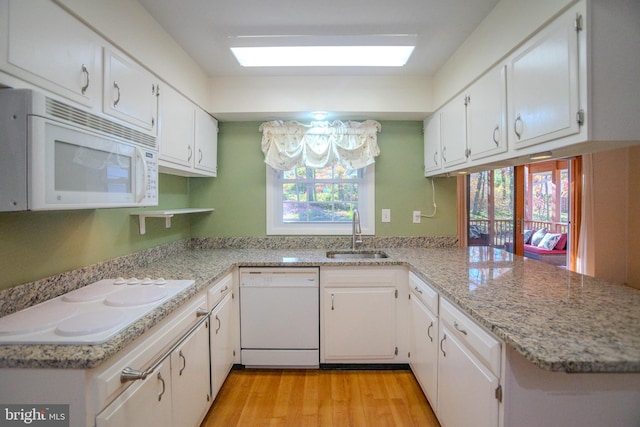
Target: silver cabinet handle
point(117, 88)
point(435, 158)
point(219, 324)
point(455, 325)
point(190, 153)
point(442, 342)
point(223, 290)
point(429, 332)
point(85, 71)
point(418, 290)
point(495, 139)
point(515, 126)
point(444, 154)
point(130, 374)
point(163, 387)
point(184, 362)
point(332, 307)
point(200, 152)
point(201, 312)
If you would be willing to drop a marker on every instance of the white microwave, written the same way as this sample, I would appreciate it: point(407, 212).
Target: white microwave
point(54, 156)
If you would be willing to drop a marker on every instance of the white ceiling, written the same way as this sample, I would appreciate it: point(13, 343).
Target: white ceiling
point(203, 28)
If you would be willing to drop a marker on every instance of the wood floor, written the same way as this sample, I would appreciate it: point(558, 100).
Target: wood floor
point(255, 397)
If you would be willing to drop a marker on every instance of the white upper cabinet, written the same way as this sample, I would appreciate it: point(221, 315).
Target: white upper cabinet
point(432, 153)
point(176, 128)
point(206, 143)
point(130, 91)
point(487, 114)
point(51, 49)
point(544, 85)
point(453, 132)
point(188, 137)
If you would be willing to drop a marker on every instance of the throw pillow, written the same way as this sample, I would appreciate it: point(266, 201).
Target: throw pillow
point(562, 243)
point(537, 237)
point(527, 236)
point(549, 241)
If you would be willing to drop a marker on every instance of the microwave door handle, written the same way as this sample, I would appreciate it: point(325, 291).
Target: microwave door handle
point(143, 162)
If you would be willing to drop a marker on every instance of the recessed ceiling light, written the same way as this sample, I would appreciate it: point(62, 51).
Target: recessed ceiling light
point(541, 156)
point(323, 56)
point(319, 115)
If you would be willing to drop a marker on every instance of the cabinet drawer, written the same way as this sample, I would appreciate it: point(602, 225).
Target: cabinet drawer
point(219, 290)
point(424, 293)
point(485, 346)
point(142, 354)
point(350, 277)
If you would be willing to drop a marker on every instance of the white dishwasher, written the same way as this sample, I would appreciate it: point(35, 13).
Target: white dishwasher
point(280, 317)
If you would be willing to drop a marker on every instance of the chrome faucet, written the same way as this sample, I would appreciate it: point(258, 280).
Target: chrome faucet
point(356, 230)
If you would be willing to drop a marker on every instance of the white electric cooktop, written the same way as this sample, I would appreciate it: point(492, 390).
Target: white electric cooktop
point(89, 315)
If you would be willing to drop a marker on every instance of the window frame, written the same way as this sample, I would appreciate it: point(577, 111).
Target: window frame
point(366, 208)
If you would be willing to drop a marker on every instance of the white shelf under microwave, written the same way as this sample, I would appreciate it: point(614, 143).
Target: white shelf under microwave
point(166, 214)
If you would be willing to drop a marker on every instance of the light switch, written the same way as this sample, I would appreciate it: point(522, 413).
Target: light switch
point(416, 217)
point(386, 215)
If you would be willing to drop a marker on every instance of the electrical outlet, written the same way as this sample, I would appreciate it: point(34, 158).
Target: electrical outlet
point(416, 217)
point(386, 215)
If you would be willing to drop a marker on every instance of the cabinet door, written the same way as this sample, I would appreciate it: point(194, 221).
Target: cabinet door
point(51, 49)
point(130, 91)
point(432, 153)
point(543, 85)
point(221, 343)
point(466, 388)
point(423, 345)
point(487, 114)
point(359, 323)
point(145, 403)
point(206, 142)
point(453, 132)
point(190, 378)
point(176, 128)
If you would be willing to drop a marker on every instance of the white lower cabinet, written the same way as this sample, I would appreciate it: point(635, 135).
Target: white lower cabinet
point(423, 337)
point(359, 315)
point(145, 403)
point(469, 391)
point(176, 392)
point(222, 343)
point(189, 378)
point(359, 323)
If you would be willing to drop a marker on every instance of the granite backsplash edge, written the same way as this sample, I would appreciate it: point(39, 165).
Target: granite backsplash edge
point(25, 295)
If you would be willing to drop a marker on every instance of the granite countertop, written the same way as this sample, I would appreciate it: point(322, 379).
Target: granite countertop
point(559, 320)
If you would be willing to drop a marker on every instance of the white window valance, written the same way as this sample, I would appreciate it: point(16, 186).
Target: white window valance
point(287, 145)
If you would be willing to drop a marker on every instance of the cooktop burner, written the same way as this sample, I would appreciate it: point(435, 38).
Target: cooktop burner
point(89, 315)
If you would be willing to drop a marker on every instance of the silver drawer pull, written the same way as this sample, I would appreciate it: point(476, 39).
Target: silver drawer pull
point(429, 332)
point(418, 290)
point(224, 289)
point(455, 325)
point(202, 312)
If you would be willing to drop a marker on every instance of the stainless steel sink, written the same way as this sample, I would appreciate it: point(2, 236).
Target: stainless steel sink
point(356, 254)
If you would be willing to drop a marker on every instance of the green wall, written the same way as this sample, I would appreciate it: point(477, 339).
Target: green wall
point(34, 245)
point(239, 199)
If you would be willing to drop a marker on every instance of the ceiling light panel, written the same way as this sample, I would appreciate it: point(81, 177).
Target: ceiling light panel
point(323, 56)
point(375, 50)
